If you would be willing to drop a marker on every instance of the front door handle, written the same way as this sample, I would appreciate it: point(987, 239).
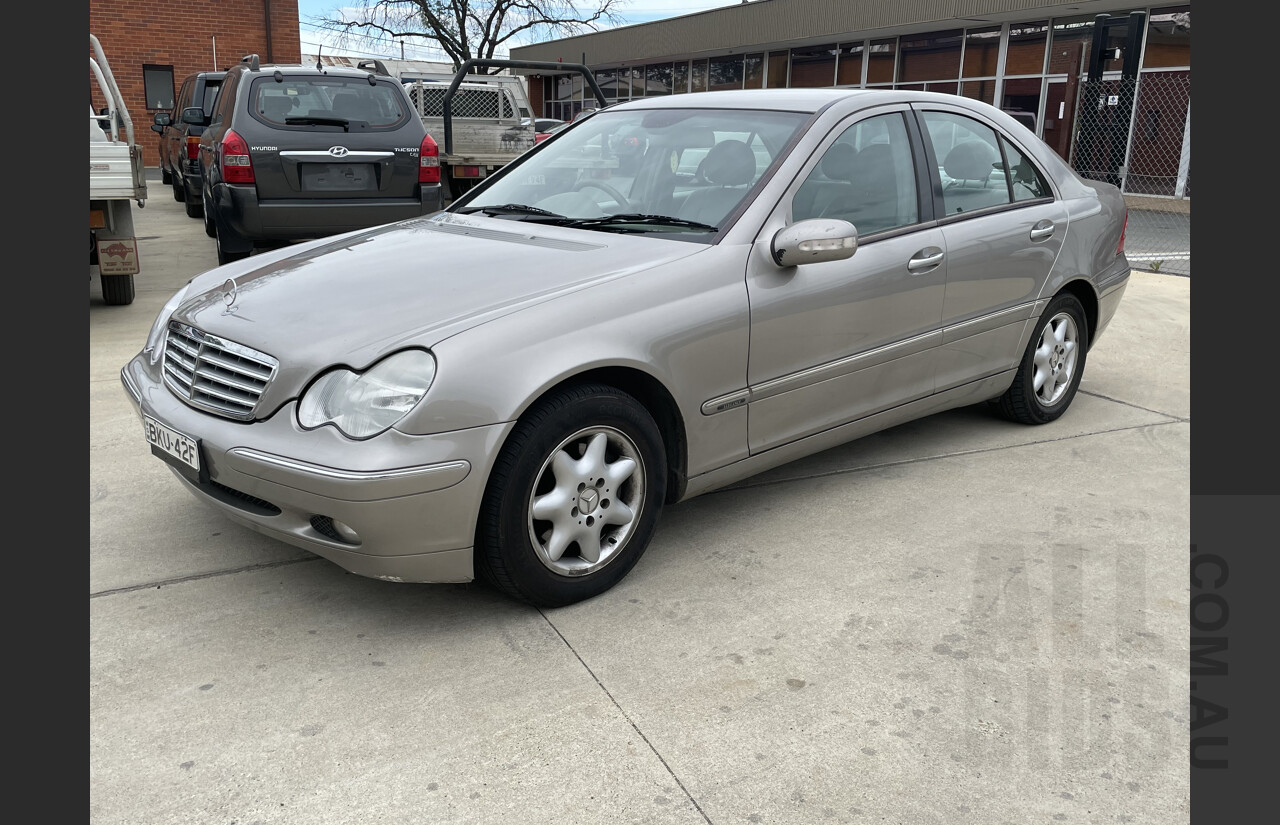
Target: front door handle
point(1042, 230)
point(926, 258)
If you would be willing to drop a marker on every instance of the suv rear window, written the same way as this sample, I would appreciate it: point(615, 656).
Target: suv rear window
point(334, 101)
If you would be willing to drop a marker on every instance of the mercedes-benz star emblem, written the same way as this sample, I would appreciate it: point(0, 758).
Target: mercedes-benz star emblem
point(338, 151)
point(229, 292)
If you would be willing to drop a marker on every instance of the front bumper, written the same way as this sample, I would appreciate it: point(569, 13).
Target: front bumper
point(412, 501)
point(239, 208)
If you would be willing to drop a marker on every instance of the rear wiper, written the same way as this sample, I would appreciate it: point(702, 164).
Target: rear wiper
point(308, 120)
point(643, 220)
point(509, 209)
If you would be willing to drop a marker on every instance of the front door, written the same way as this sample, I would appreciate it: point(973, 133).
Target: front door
point(833, 342)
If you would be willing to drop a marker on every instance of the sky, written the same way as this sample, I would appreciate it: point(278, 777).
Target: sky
point(313, 36)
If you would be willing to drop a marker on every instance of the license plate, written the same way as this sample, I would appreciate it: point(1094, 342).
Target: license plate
point(171, 443)
point(338, 177)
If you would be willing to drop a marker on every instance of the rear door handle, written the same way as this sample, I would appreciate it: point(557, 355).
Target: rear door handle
point(1042, 230)
point(926, 258)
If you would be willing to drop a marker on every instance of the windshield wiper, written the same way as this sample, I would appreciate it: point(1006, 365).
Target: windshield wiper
point(610, 221)
point(509, 209)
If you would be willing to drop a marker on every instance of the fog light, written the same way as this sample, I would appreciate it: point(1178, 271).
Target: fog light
point(346, 532)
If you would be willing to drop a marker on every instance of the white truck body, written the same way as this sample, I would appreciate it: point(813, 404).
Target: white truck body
point(116, 179)
point(491, 123)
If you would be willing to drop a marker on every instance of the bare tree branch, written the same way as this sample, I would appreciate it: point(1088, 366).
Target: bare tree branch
point(467, 29)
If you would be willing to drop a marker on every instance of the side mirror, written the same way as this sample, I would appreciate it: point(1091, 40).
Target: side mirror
point(157, 128)
point(813, 242)
point(193, 115)
point(161, 119)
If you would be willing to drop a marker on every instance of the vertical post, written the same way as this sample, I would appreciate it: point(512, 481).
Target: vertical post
point(1184, 159)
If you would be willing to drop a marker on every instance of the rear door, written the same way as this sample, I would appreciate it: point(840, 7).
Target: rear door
point(321, 137)
point(174, 137)
point(1003, 230)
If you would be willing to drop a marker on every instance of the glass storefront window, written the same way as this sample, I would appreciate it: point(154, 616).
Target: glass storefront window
point(981, 52)
point(680, 77)
point(1168, 38)
point(813, 66)
point(984, 90)
point(880, 60)
point(932, 56)
point(658, 79)
point(849, 65)
point(1027, 42)
point(777, 77)
point(607, 80)
point(699, 76)
point(753, 71)
point(725, 73)
point(1069, 47)
point(1022, 100)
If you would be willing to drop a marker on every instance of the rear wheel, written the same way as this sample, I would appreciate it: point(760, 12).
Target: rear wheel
point(117, 290)
point(195, 208)
point(210, 228)
point(573, 498)
point(231, 246)
point(1052, 365)
point(179, 192)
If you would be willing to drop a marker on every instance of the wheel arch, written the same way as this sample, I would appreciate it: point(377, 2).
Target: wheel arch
point(1088, 298)
point(657, 400)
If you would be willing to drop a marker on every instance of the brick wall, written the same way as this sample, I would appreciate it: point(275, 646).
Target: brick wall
point(183, 35)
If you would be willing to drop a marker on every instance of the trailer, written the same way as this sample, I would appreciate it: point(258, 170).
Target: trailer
point(117, 180)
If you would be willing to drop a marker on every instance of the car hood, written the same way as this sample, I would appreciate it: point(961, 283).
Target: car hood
point(353, 298)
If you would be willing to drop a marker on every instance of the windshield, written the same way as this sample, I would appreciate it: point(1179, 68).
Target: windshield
point(643, 170)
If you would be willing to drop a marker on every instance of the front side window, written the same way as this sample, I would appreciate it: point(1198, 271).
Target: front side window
point(327, 101)
point(867, 177)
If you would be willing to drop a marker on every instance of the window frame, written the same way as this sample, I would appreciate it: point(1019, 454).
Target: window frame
point(149, 71)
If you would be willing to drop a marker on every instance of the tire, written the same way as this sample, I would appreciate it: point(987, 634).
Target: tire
point(179, 191)
point(1050, 371)
point(117, 290)
point(195, 208)
point(210, 228)
point(573, 497)
point(227, 255)
point(165, 177)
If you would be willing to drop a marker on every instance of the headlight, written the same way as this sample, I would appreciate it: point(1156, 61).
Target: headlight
point(156, 336)
point(365, 404)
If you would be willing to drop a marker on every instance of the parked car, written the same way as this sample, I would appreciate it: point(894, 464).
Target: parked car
point(180, 131)
point(298, 152)
point(515, 387)
point(544, 126)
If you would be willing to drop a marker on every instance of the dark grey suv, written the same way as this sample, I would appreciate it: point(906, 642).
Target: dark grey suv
point(296, 152)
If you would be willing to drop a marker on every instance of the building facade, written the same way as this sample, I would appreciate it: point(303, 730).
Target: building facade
point(1110, 94)
point(152, 45)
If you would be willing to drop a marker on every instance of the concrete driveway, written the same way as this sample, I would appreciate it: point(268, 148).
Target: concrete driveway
point(960, 620)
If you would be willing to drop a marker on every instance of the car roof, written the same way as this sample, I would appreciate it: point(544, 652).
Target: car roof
point(303, 69)
point(795, 100)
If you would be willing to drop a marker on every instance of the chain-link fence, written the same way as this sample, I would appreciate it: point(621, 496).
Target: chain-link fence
point(1136, 133)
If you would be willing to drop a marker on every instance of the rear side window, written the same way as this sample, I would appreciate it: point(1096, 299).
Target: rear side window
point(978, 167)
point(346, 103)
point(210, 95)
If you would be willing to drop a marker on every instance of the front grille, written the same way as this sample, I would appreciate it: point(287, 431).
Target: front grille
point(215, 374)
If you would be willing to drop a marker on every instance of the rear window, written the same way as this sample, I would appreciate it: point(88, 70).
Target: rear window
point(342, 103)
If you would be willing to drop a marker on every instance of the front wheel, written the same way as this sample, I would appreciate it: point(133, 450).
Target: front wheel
point(573, 499)
point(1050, 371)
point(165, 177)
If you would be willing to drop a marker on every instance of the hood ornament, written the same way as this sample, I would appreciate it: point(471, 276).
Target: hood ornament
point(229, 294)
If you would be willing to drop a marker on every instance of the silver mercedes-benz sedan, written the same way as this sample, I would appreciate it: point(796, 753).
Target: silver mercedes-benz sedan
point(666, 297)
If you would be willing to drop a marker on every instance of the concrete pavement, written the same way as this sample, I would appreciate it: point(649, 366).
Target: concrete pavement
point(960, 620)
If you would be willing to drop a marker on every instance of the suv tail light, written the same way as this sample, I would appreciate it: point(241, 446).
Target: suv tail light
point(193, 147)
point(1123, 229)
point(428, 161)
point(236, 165)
